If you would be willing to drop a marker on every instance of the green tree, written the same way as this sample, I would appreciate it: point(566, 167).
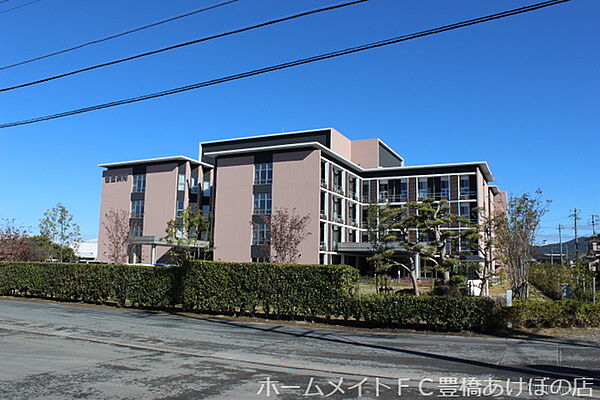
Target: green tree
point(388, 229)
point(190, 235)
point(59, 227)
point(435, 225)
point(516, 235)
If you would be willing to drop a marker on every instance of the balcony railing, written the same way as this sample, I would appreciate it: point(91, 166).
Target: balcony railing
point(338, 189)
point(464, 195)
point(393, 198)
point(323, 183)
point(338, 219)
point(322, 246)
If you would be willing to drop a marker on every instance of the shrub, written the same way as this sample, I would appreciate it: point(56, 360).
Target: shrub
point(548, 279)
point(552, 314)
point(276, 289)
point(304, 291)
point(434, 312)
point(458, 281)
point(447, 290)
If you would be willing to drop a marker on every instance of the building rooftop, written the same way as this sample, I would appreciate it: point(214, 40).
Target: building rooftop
point(154, 160)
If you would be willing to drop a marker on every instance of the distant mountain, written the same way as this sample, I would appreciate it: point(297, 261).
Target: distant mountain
point(568, 247)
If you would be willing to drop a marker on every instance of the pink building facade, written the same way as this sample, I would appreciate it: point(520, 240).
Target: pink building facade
point(319, 173)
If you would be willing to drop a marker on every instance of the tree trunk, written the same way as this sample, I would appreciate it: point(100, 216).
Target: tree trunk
point(446, 277)
point(413, 277)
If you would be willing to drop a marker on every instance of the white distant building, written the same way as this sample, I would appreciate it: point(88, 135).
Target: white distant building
point(88, 249)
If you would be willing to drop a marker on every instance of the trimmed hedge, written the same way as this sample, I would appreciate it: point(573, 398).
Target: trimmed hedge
point(552, 314)
point(275, 289)
point(282, 290)
point(436, 312)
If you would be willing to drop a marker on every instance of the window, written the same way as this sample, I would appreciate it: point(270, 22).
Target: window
point(195, 185)
point(139, 183)
point(353, 188)
point(445, 187)
point(206, 184)
point(324, 204)
point(324, 177)
point(260, 233)
point(365, 191)
point(181, 182)
point(352, 235)
point(263, 174)
point(384, 190)
point(336, 236)
point(180, 207)
point(262, 203)
point(423, 188)
point(260, 259)
point(465, 186)
point(337, 180)
point(136, 230)
point(137, 208)
point(464, 210)
point(404, 188)
point(337, 208)
point(352, 213)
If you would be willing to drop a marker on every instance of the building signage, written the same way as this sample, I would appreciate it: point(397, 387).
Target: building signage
point(115, 178)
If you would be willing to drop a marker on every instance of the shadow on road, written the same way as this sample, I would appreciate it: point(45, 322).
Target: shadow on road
point(534, 371)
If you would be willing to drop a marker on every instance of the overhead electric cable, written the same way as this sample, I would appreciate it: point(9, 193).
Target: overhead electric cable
point(177, 46)
point(17, 7)
point(116, 35)
point(290, 64)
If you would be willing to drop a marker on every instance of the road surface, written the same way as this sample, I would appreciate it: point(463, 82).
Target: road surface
point(64, 351)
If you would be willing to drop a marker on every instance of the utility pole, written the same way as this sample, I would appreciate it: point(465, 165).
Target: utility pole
point(560, 242)
point(576, 217)
point(594, 220)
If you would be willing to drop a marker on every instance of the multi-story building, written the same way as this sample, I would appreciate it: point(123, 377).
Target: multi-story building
point(319, 173)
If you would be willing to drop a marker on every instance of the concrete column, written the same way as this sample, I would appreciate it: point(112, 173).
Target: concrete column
point(153, 254)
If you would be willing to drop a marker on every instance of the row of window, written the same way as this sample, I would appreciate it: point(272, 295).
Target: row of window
point(396, 190)
point(139, 184)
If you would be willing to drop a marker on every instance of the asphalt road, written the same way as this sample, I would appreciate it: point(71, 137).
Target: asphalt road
point(58, 351)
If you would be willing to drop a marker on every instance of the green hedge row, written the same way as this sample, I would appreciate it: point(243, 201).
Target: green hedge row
point(551, 314)
point(281, 290)
point(436, 312)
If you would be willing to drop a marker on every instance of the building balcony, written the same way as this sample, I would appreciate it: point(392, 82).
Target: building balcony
point(464, 195)
point(338, 219)
point(392, 198)
point(338, 189)
point(323, 183)
point(322, 246)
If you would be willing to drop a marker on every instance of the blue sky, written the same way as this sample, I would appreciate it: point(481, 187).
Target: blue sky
point(522, 93)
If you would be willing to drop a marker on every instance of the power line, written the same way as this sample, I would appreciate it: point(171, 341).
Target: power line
point(116, 35)
point(17, 7)
point(291, 64)
point(196, 41)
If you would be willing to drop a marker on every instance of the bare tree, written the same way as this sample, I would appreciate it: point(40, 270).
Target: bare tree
point(516, 235)
point(118, 232)
point(286, 230)
point(13, 241)
point(482, 237)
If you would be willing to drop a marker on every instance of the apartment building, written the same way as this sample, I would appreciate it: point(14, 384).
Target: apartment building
point(153, 191)
point(319, 173)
